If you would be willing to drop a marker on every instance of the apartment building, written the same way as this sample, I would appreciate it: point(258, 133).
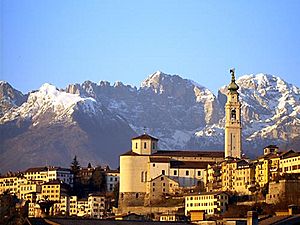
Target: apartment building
point(209, 202)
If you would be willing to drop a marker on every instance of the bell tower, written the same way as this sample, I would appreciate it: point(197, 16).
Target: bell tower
point(233, 127)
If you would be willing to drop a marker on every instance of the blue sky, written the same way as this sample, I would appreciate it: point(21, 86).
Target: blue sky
point(62, 42)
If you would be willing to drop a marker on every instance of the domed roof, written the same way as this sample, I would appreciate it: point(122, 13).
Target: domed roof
point(233, 86)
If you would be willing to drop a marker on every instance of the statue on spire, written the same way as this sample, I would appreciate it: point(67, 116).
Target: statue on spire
point(232, 74)
point(232, 86)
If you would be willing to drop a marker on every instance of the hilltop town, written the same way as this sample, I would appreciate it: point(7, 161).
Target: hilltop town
point(164, 185)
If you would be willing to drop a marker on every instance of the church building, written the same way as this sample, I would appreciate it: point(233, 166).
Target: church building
point(145, 171)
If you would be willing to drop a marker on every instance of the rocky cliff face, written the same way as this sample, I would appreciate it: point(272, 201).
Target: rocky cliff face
point(52, 126)
point(9, 97)
point(97, 120)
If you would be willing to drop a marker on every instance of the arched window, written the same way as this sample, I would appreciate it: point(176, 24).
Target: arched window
point(233, 114)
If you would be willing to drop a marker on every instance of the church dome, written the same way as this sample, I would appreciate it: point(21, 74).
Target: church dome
point(233, 86)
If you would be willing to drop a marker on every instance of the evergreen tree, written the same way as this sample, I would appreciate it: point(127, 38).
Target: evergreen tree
point(75, 167)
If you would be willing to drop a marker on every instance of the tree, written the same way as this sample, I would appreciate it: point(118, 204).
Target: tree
point(75, 167)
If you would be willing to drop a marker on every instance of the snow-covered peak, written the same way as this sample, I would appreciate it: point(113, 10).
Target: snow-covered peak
point(49, 100)
point(2, 82)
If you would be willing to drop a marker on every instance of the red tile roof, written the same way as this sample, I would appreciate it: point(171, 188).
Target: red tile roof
point(145, 136)
point(184, 153)
point(189, 164)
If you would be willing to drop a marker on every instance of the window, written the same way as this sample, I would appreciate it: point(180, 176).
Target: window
point(199, 173)
point(163, 172)
point(187, 173)
point(136, 195)
point(233, 114)
point(162, 178)
point(153, 145)
point(153, 189)
point(175, 172)
point(153, 164)
point(136, 145)
point(145, 145)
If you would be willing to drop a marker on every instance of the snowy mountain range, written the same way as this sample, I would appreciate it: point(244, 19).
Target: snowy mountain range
point(96, 121)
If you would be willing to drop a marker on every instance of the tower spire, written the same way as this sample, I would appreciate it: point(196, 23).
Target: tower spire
point(233, 126)
point(232, 75)
point(233, 87)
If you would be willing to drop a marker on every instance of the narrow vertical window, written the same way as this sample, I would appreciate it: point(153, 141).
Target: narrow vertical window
point(136, 145)
point(145, 145)
point(142, 177)
point(233, 114)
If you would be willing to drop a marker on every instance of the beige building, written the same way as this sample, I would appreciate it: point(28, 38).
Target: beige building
point(237, 176)
point(233, 127)
point(285, 190)
point(97, 205)
point(169, 217)
point(162, 186)
point(94, 206)
point(144, 163)
point(53, 190)
point(209, 202)
point(11, 183)
point(27, 189)
point(48, 173)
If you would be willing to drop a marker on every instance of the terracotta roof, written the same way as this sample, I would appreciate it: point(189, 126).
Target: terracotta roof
point(187, 153)
point(291, 154)
point(113, 171)
point(52, 182)
point(36, 169)
point(131, 153)
point(159, 160)
point(168, 177)
point(271, 146)
point(208, 193)
point(45, 168)
point(91, 221)
point(145, 136)
point(189, 164)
